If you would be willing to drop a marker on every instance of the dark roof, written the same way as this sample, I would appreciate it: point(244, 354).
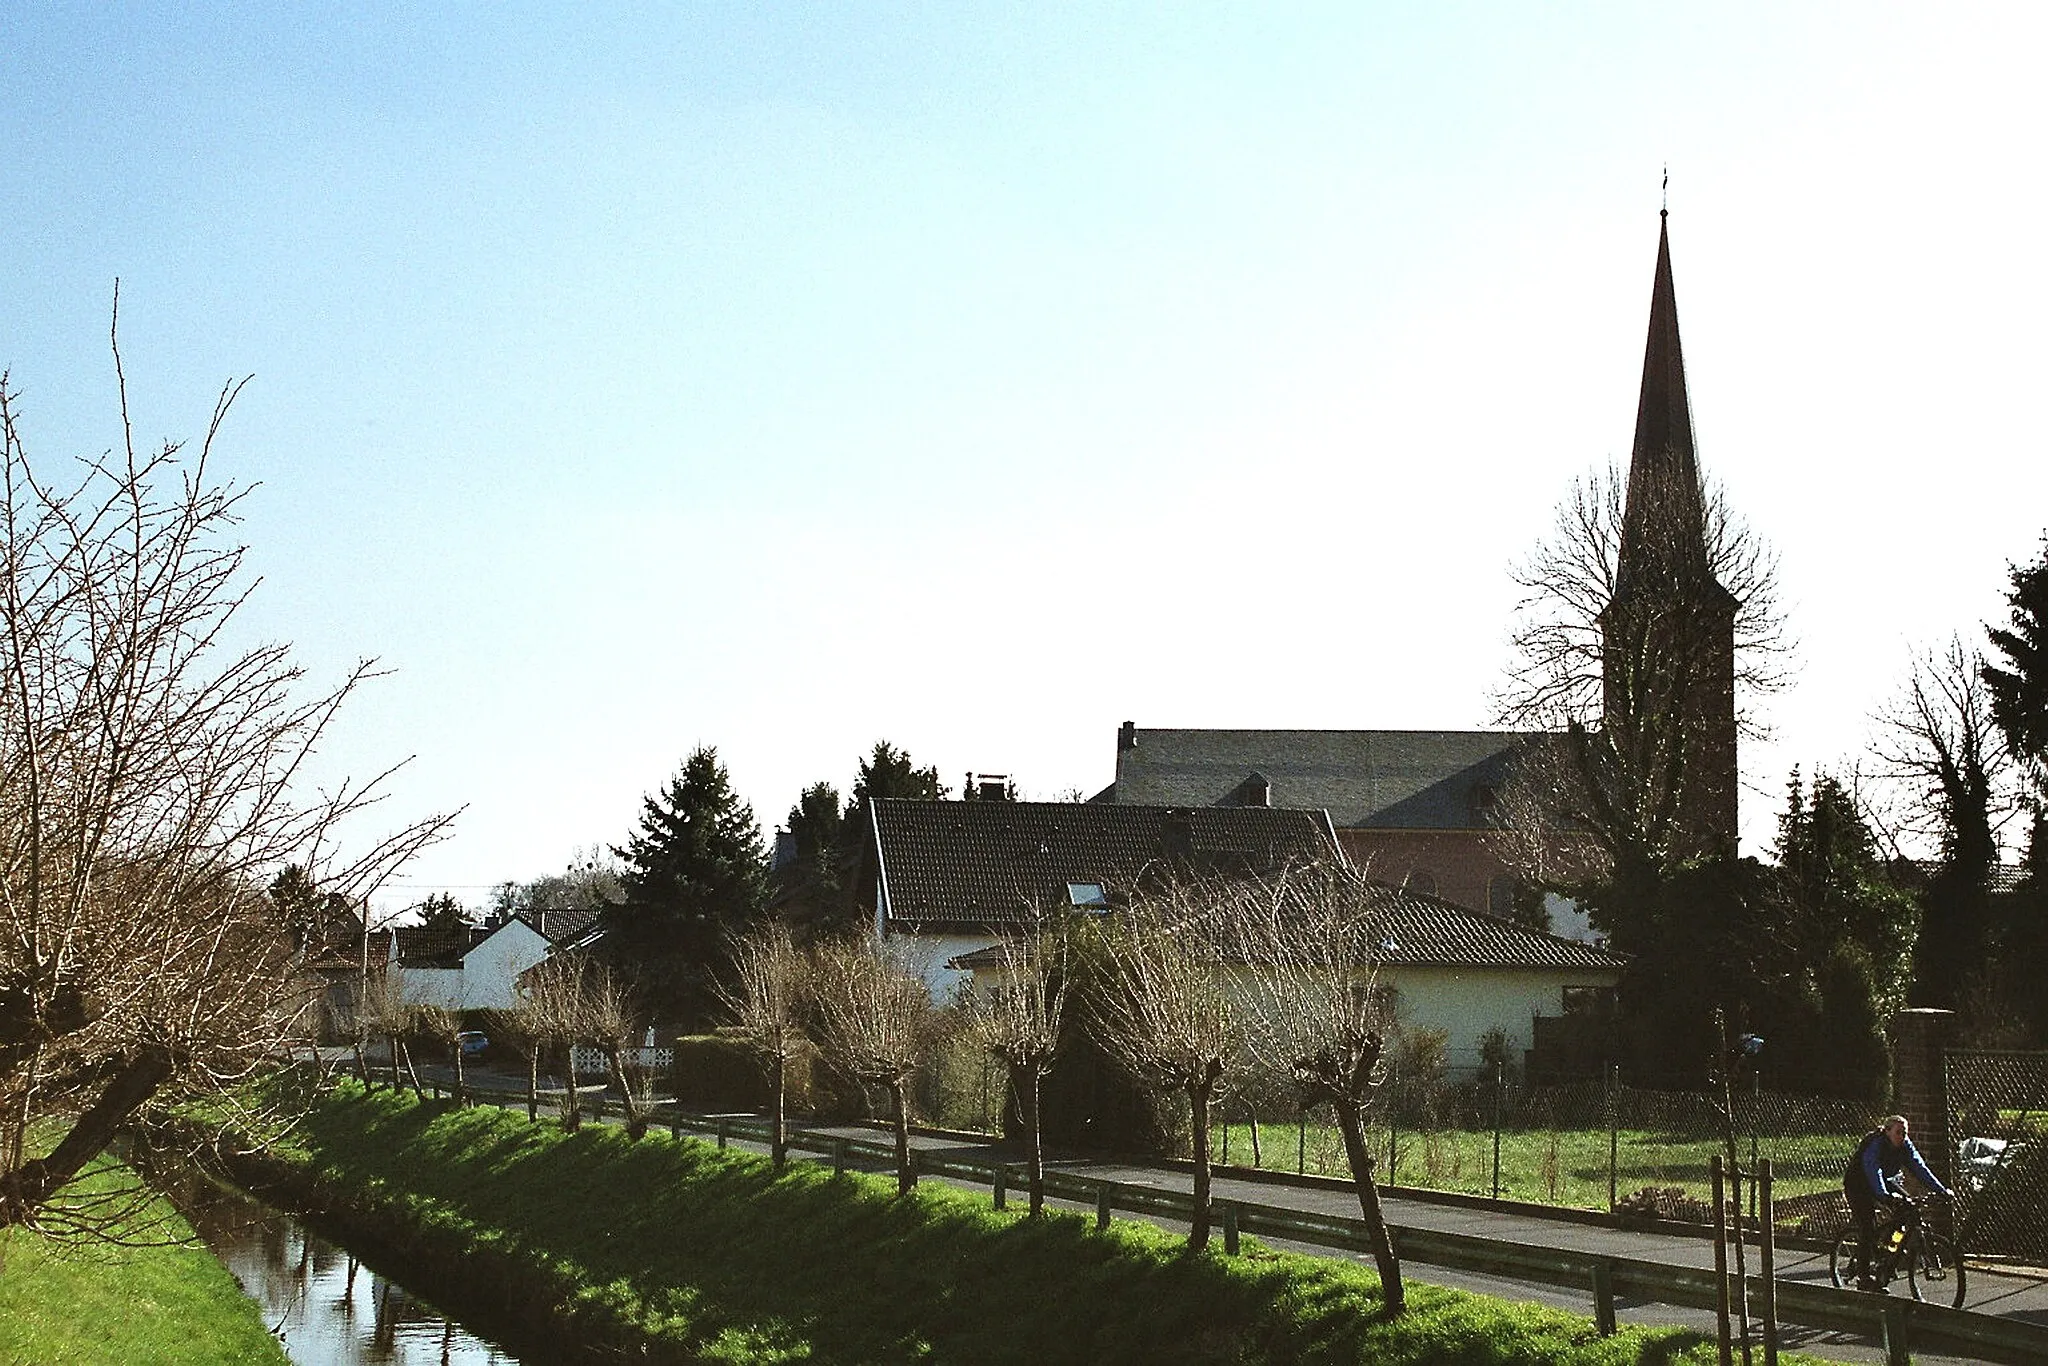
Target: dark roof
point(559, 926)
point(1369, 779)
point(1422, 931)
point(989, 863)
point(419, 947)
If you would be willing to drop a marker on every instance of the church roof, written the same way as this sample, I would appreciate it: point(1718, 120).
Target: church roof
point(1365, 779)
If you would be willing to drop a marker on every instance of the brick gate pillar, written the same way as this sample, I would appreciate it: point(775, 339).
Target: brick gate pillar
point(1919, 1085)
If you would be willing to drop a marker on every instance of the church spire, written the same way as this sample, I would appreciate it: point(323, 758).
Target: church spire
point(1666, 513)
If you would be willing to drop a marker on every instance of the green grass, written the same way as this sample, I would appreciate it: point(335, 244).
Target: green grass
point(700, 1254)
point(1566, 1167)
point(93, 1304)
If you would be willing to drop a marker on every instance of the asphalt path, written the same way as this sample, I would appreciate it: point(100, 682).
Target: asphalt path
point(2001, 1293)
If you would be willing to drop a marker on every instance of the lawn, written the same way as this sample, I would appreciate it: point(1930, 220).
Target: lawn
point(93, 1304)
point(1567, 1167)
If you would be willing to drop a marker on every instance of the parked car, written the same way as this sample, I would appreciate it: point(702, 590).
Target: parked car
point(1978, 1160)
point(473, 1044)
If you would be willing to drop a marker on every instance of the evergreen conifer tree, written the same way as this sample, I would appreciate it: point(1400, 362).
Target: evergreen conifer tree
point(694, 872)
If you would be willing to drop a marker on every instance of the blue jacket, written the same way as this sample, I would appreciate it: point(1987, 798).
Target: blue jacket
point(1881, 1165)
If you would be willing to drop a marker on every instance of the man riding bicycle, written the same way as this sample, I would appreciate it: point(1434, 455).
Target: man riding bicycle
point(1874, 1176)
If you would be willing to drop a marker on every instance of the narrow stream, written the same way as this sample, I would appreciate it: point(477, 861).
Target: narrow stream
point(319, 1300)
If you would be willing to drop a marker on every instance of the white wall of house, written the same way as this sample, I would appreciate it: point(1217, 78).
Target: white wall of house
point(491, 969)
point(430, 986)
point(1466, 1002)
point(928, 954)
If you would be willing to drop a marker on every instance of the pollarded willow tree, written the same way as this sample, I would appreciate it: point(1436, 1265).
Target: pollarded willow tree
point(1164, 1010)
point(876, 1022)
point(1016, 1016)
point(1304, 944)
point(766, 996)
point(152, 784)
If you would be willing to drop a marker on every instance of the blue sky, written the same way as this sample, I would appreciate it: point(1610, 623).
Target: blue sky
point(979, 377)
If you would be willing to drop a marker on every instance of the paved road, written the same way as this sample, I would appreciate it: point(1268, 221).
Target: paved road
point(1991, 1292)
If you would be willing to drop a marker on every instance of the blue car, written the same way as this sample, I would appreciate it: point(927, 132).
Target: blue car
point(473, 1044)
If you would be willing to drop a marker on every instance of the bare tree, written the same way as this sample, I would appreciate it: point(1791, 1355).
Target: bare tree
point(1307, 944)
point(876, 1022)
point(1951, 782)
point(1016, 1018)
point(383, 1011)
point(1627, 616)
point(151, 786)
point(1164, 1010)
point(615, 1020)
point(444, 1027)
point(552, 1012)
point(765, 998)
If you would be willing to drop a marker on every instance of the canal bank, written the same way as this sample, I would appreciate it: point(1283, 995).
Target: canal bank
point(675, 1251)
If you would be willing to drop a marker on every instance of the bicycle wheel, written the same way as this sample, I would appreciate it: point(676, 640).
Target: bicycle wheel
point(1842, 1259)
point(1935, 1270)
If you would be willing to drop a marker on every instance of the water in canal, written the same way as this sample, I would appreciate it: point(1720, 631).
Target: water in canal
point(320, 1301)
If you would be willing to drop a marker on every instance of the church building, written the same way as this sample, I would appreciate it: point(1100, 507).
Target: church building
point(1423, 808)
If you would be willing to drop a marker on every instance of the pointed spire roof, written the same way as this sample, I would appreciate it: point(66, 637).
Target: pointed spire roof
point(1666, 512)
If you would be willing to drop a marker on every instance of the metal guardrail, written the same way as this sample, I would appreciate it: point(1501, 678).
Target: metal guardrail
point(1902, 1325)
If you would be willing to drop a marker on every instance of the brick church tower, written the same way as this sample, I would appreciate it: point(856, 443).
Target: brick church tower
point(1668, 632)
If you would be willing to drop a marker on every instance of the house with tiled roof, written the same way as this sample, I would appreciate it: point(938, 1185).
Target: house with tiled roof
point(478, 969)
point(951, 877)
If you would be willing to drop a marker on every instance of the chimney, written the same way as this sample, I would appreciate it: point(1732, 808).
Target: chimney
point(1127, 736)
point(1177, 835)
point(1258, 790)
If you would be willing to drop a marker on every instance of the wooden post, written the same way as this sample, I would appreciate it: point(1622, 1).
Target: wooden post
point(1613, 1132)
point(1767, 1257)
point(839, 1157)
point(721, 1130)
point(1102, 1204)
point(1230, 1228)
point(1603, 1297)
point(1896, 1352)
point(1721, 1265)
point(1002, 1195)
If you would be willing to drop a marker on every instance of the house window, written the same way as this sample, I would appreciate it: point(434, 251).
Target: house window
point(1087, 896)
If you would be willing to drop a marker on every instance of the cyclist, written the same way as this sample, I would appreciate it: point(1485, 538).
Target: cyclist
point(1872, 1176)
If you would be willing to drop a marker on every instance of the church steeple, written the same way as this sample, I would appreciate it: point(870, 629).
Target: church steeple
point(1668, 633)
point(1666, 515)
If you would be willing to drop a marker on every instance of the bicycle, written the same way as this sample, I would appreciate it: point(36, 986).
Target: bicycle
point(1932, 1263)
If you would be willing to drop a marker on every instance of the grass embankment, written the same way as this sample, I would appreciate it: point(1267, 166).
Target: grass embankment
point(92, 1304)
point(692, 1253)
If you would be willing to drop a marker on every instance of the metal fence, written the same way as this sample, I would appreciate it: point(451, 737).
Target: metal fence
point(1998, 1124)
point(1592, 1144)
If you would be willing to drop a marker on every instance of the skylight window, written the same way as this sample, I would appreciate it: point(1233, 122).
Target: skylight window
point(1087, 896)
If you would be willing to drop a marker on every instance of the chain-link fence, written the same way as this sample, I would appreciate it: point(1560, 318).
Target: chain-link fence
point(1998, 1127)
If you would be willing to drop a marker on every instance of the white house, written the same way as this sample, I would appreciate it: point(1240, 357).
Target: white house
point(478, 969)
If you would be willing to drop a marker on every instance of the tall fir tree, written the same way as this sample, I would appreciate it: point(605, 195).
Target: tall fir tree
point(694, 870)
point(889, 772)
point(2019, 690)
point(812, 879)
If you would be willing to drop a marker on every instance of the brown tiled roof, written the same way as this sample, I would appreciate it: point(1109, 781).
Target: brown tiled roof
point(988, 863)
point(1421, 931)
